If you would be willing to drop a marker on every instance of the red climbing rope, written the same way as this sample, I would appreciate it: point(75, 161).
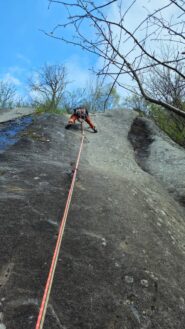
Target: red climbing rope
point(45, 299)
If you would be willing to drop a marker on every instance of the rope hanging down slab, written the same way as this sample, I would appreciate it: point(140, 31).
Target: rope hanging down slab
point(49, 282)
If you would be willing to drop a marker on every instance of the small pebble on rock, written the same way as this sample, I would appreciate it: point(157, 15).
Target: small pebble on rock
point(144, 283)
point(129, 279)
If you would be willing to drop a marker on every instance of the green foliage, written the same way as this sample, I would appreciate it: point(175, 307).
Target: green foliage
point(169, 122)
point(136, 103)
point(47, 108)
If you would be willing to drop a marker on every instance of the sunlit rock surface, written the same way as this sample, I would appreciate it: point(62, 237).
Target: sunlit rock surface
point(122, 261)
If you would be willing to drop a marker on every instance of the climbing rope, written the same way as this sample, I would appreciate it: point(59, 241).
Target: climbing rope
point(49, 282)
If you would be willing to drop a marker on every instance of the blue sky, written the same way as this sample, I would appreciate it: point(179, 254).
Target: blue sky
point(24, 48)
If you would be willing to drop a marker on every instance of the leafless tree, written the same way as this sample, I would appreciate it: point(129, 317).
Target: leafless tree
point(7, 94)
point(93, 97)
point(112, 31)
point(73, 99)
point(48, 85)
point(167, 84)
point(97, 96)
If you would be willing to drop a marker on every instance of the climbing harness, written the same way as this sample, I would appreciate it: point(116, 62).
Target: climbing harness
point(49, 282)
point(81, 113)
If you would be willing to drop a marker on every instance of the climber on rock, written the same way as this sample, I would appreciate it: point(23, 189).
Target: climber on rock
point(81, 113)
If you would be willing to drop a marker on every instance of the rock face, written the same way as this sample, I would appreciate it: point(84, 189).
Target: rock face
point(159, 155)
point(18, 112)
point(122, 260)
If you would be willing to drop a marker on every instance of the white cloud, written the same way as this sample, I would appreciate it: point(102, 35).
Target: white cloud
point(139, 11)
point(34, 95)
point(11, 79)
point(23, 58)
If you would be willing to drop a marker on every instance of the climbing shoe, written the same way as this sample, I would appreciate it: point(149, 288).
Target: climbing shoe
point(68, 126)
point(95, 130)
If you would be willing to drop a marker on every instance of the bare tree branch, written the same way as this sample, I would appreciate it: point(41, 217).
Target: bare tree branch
point(125, 50)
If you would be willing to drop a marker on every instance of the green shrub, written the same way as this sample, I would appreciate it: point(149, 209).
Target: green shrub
point(169, 122)
point(47, 108)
